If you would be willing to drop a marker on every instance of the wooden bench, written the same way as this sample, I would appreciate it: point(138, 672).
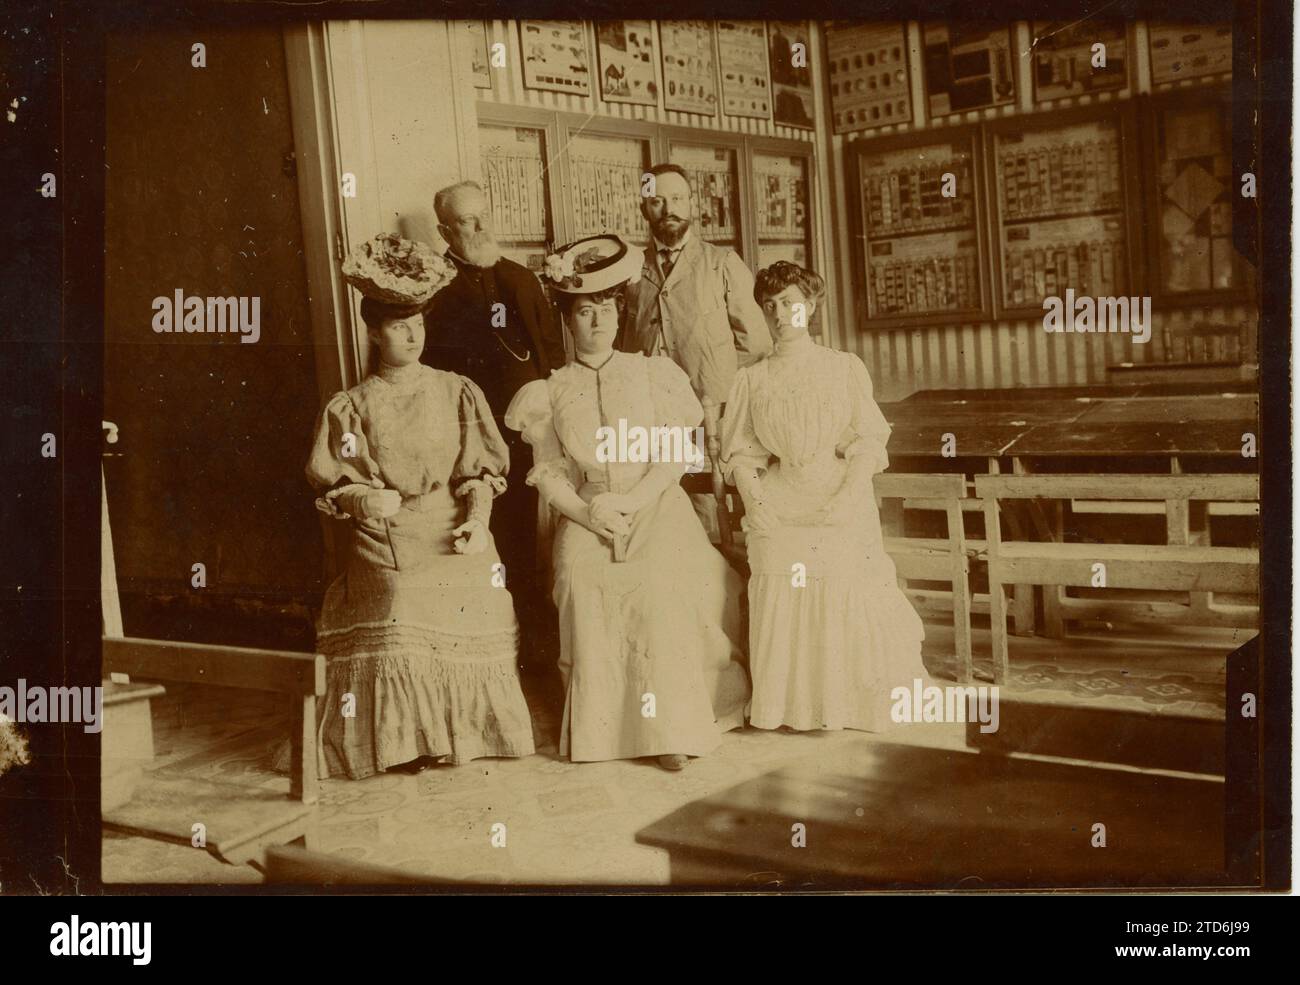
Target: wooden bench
point(931, 559)
point(240, 821)
point(1174, 566)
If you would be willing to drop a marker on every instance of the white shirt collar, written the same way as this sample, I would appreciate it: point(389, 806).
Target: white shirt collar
point(660, 247)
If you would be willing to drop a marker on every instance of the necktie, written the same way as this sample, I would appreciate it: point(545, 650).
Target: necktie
point(667, 258)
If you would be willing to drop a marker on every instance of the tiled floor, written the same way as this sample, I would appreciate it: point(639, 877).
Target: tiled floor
point(576, 823)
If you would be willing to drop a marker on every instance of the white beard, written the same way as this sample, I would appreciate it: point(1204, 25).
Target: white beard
point(482, 251)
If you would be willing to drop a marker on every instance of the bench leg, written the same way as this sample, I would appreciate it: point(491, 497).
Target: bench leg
point(304, 782)
point(1022, 595)
point(961, 630)
point(1022, 605)
point(1053, 622)
point(998, 625)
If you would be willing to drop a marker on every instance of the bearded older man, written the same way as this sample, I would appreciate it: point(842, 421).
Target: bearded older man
point(493, 323)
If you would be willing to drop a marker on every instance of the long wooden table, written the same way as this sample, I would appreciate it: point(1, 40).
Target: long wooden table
point(1069, 422)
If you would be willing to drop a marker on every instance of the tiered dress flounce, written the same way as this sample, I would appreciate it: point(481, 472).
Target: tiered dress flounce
point(421, 642)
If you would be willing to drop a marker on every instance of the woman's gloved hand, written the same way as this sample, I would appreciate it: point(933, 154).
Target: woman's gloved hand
point(366, 501)
point(605, 518)
point(471, 537)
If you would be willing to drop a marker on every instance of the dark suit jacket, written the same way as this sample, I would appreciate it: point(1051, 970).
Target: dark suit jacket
point(460, 335)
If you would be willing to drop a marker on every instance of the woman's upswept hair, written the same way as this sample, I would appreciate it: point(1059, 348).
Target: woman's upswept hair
point(374, 313)
point(565, 301)
point(782, 274)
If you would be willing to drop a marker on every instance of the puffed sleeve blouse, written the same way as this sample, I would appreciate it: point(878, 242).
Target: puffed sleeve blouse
point(817, 403)
point(415, 433)
point(560, 417)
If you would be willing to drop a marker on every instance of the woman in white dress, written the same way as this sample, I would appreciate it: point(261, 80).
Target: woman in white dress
point(648, 610)
point(831, 634)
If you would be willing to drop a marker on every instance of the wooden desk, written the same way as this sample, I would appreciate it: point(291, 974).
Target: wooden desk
point(1208, 424)
point(1096, 390)
point(1071, 421)
point(918, 818)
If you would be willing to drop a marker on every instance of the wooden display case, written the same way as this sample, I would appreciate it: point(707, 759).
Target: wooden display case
point(754, 194)
point(601, 176)
point(712, 163)
point(514, 152)
point(1190, 193)
point(920, 255)
point(783, 219)
point(1065, 206)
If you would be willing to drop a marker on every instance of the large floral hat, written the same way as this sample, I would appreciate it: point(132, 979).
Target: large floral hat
point(591, 265)
point(397, 271)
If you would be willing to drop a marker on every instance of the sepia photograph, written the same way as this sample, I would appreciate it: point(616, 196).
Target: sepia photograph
point(749, 455)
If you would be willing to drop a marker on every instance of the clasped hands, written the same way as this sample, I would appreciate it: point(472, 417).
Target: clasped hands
point(608, 515)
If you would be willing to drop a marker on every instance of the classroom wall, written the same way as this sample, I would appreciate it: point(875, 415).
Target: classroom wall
point(1002, 353)
point(508, 89)
point(991, 354)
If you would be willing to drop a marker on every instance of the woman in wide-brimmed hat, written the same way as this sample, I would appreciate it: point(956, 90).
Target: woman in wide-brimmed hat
point(419, 630)
point(649, 616)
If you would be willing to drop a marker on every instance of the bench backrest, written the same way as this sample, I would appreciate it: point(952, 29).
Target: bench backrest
point(904, 485)
point(1209, 488)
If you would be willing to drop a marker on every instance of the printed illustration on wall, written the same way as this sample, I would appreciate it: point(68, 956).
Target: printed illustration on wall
point(478, 53)
point(1189, 51)
point(627, 62)
point(1069, 62)
point(555, 56)
point(867, 74)
point(690, 68)
point(968, 66)
point(742, 55)
point(792, 88)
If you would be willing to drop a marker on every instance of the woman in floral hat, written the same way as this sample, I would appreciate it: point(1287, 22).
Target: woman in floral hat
point(419, 630)
point(649, 616)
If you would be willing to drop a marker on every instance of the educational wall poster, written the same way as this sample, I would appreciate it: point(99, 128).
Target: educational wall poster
point(868, 75)
point(742, 55)
point(627, 62)
point(792, 88)
point(1072, 58)
point(968, 65)
point(690, 67)
point(478, 52)
point(1188, 51)
point(555, 56)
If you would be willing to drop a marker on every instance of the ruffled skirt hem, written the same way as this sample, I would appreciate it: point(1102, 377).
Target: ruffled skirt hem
point(395, 693)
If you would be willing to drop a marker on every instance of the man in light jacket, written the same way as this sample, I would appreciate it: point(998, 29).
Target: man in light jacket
point(695, 301)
